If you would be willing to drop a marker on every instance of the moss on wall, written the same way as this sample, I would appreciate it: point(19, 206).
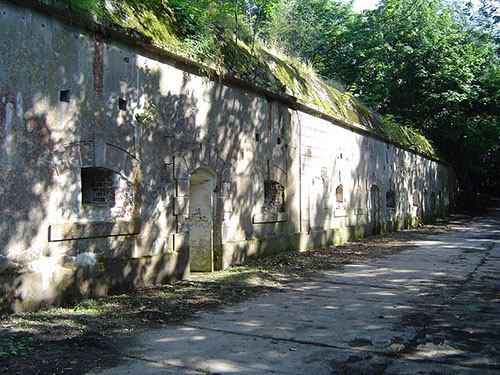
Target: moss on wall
point(178, 27)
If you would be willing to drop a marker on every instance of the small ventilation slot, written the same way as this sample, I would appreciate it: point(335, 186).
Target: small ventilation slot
point(122, 104)
point(64, 96)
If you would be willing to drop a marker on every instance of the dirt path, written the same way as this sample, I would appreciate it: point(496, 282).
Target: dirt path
point(93, 334)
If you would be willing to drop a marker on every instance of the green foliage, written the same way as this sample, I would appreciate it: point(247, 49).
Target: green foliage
point(15, 347)
point(327, 33)
point(149, 115)
point(431, 65)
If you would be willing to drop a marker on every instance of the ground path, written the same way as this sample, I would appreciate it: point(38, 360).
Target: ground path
point(432, 309)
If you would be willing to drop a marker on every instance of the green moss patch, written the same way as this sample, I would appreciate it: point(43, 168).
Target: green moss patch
point(204, 32)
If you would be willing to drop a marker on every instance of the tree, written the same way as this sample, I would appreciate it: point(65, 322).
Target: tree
point(430, 64)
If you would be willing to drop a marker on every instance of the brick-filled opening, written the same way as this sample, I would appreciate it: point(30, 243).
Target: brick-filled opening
point(390, 199)
point(274, 197)
point(99, 186)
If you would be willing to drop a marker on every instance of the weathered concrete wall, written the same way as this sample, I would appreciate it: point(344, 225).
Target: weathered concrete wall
point(335, 159)
point(92, 200)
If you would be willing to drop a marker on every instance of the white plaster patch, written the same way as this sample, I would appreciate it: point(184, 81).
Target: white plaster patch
point(19, 107)
point(47, 267)
point(8, 136)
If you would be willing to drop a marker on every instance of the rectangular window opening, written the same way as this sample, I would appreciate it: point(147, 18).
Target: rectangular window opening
point(274, 197)
point(122, 104)
point(64, 96)
point(98, 186)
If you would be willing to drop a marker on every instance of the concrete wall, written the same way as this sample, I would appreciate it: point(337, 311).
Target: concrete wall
point(68, 105)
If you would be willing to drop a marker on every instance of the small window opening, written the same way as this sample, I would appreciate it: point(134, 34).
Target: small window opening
point(339, 194)
point(274, 197)
point(122, 104)
point(278, 140)
point(433, 201)
point(64, 96)
point(390, 198)
point(257, 137)
point(98, 186)
point(415, 198)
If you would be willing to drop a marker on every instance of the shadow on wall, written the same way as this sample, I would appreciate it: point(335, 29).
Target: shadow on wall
point(68, 108)
point(68, 112)
point(363, 186)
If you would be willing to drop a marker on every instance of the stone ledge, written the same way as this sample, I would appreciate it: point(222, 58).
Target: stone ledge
point(74, 231)
point(275, 217)
point(340, 212)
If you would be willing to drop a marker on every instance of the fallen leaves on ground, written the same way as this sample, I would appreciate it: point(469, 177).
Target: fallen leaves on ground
point(85, 336)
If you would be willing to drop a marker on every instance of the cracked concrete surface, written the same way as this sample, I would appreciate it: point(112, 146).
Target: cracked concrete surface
point(434, 309)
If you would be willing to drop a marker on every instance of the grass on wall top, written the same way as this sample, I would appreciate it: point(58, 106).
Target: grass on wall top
point(204, 31)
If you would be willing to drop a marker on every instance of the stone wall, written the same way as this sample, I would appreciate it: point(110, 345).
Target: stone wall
point(69, 101)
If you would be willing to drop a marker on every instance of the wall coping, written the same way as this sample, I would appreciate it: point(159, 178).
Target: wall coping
point(111, 31)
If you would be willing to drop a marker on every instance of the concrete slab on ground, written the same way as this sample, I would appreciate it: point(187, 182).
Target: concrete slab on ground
point(433, 309)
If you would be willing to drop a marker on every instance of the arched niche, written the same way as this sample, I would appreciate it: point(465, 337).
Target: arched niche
point(202, 219)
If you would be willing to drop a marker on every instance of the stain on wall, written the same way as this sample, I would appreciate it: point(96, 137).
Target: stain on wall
point(136, 222)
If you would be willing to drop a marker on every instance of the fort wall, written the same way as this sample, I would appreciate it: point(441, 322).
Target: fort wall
point(112, 153)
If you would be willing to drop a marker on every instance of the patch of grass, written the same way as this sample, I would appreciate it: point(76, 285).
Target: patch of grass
point(15, 347)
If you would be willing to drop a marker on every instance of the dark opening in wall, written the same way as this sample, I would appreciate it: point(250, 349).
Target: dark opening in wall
point(98, 186)
point(339, 194)
point(274, 197)
point(390, 199)
point(64, 96)
point(433, 201)
point(122, 104)
point(415, 198)
point(278, 140)
point(257, 137)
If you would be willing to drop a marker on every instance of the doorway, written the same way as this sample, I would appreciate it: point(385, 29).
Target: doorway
point(202, 201)
point(375, 209)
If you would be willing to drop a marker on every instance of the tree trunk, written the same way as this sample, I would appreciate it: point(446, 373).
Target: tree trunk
point(235, 30)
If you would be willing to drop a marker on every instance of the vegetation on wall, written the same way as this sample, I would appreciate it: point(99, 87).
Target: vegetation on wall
point(431, 67)
point(226, 35)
